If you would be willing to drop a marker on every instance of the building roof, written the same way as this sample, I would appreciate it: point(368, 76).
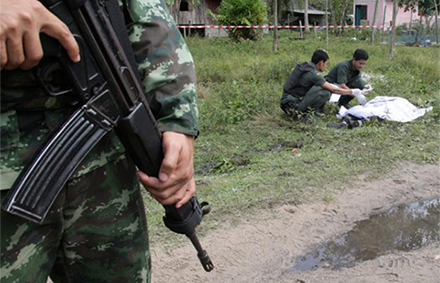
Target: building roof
point(297, 7)
point(311, 11)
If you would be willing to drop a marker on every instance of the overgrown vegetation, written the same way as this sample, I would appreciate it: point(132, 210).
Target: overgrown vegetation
point(244, 155)
point(241, 12)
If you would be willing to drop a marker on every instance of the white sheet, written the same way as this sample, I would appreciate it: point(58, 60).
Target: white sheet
point(386, 107)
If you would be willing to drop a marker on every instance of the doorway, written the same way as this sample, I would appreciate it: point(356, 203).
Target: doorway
point(361, 14)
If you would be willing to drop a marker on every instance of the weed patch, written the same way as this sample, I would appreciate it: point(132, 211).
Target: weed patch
point(250, 155)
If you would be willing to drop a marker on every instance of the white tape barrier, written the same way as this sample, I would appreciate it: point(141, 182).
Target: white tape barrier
point(279, 27)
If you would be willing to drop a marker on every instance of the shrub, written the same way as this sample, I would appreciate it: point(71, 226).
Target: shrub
point(242, 12)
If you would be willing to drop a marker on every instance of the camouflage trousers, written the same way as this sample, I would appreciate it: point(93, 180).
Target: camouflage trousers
point(95, 232)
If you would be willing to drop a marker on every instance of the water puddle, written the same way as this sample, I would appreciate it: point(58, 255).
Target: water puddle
point(402, 228)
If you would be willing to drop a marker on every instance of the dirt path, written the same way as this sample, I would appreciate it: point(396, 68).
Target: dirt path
point(262, 250)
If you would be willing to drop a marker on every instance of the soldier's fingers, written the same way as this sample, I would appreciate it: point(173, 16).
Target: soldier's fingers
point(143, 178)
point(58, 30)
point(148, 181)
point(170, 160)
point(188, 193)
point(171, 199)
point(3, 54)
point(33, 50)
point(156, 187)
point(15, 52)
point(159, 191)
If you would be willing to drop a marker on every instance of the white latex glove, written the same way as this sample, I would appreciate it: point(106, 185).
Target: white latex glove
point(367, 89)
point(359, 96)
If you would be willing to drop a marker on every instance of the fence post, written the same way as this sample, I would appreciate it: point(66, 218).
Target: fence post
point(189, 29)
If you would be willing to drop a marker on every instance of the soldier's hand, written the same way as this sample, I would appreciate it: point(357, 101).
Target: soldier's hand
point(367, 89)
point(360, 97)
point(21, 22)
point(175, 184)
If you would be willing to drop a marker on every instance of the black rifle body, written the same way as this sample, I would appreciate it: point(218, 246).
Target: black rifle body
point(110, 98)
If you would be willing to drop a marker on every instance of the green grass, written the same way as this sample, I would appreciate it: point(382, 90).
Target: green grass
point(244, 159)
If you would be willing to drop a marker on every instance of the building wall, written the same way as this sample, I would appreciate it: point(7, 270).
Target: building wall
point(197, 15)
point(387, 7)
point(402, 16)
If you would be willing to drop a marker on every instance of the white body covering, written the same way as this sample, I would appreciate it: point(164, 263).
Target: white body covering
point(386, 107)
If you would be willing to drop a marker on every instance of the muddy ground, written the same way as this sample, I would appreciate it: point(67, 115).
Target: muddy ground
point(264, 248)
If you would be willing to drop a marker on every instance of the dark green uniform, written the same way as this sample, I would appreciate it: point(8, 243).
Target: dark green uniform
point(344, 73)
point(302, 90)
point(96, 230)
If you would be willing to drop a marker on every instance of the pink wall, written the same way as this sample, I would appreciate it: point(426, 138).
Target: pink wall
point(402, 16)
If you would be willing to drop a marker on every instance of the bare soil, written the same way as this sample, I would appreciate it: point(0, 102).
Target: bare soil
point(263, 249)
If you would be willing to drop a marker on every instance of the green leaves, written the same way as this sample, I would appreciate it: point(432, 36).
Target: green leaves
point(242, 12)
point(224, 166)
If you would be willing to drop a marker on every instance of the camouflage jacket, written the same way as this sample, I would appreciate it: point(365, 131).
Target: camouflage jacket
point(168, 77)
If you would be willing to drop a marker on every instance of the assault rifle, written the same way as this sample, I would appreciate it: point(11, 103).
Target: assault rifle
point(110, 98)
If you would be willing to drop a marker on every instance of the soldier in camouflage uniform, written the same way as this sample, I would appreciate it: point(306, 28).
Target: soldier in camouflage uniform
point(96, 230)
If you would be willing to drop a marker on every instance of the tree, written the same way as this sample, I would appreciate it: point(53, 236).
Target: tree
point(172, 2)
point(436, 20)
point(427, 9)
point(306, 16)
point(283, 5)
point(339, 9)
point(275, 30)
point(326, 23)
point(374, 20)
point(393, 29)
point(242, 12)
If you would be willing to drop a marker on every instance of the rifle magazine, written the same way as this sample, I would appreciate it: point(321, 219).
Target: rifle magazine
point(38, 185)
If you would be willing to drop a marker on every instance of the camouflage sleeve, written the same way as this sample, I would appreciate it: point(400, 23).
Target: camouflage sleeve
point(166, 66)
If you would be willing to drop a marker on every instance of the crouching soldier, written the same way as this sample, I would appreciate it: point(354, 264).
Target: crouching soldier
point(306, 91)
point(347, 74)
